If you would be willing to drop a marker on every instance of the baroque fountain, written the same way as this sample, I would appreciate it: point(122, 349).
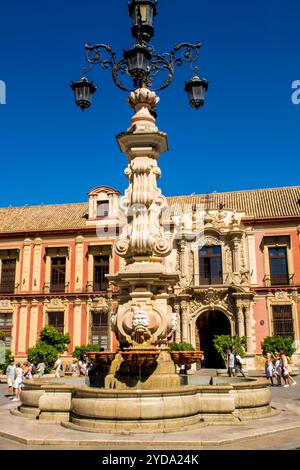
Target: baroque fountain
point(142, 390)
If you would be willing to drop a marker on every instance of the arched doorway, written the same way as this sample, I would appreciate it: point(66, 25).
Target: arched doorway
point(210, 323)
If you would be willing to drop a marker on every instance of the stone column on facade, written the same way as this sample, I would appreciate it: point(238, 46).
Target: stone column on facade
point(178, 328)
point(182, 247)
point(90, 272)
point(37, 264)
point(184, 321)
point(26, 265)
point(248, 321)
point(77, 323)
point(241, 320)
point(33, 330)
point(78, 263)
point(21, 347)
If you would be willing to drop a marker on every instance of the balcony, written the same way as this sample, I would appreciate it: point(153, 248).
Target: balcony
point(50, 288)
point(279, 280)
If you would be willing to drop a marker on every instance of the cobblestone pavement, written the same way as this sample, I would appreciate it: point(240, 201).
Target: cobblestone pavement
point(285, 399)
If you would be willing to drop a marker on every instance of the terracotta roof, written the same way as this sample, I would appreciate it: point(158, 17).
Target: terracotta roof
point(257, 203)
point(46, 217)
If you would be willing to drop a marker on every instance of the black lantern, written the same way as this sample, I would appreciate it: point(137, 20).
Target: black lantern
point(83, 91)
point(142, 13)
point(196, 88)
point(138, 63)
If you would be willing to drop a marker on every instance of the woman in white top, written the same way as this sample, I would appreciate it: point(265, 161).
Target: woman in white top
point(18, 381)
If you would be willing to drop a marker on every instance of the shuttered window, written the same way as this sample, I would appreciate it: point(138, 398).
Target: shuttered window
point(56, 319)
point(8, 274)
point(99, 329)
point(283, 320)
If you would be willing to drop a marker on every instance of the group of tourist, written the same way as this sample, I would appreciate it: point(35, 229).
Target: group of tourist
point(234, 363)
point(16, 373)
point(277, 366)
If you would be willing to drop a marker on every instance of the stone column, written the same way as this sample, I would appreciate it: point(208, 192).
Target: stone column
point(241, 321)
point(184, 321)
point(37, 264)
point(178, 329)
point(26, 265)
point(248, 319)
point(183, 266)
point(78, 263)
point(235, 255)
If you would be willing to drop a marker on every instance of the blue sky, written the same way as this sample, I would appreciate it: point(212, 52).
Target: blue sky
point(247, 136)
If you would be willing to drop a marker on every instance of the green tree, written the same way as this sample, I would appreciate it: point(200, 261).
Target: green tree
point(84, 349)
point(53, 337)
point(224, 342)
point(2, 335)
point(50, 344)
point(43, 352)
point(8, 357)
point(272, 344)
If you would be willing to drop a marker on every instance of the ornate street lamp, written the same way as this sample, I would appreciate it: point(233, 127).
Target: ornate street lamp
point(142, 14)
point(142, 63)
point(196, 88)
point(83, 90)
point(138, 63)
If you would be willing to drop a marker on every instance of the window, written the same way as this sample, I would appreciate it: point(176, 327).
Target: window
point(58, 274)
point(278, 266)
point(101, 267)
point(6, 327)
point(56, 319)
point(102, 209)
point(283, 320)
point(99, 330)
point(210, 265)
point(8, 273)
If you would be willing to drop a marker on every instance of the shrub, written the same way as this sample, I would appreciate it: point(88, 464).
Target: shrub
point(181, 347)
point(272, 344)
point(82, 350)
point(43, 352)
point(2, 335)
point(224, 342)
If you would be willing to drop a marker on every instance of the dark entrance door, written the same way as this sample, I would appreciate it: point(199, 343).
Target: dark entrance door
point(209, 324)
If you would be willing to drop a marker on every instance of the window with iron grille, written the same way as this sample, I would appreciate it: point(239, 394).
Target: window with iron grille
point(8, 274)
point(56, 319)
point(283, 320)
point(99, 329)
point(101, 267)
point(210, 258)
point(102, 209)
point(58, 274)
point(278, 266)
point(6, 327)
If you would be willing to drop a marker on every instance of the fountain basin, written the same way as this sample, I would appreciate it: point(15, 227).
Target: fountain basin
point(146, 411)
point(102, 358)
point(143, 357)
point(185, 357)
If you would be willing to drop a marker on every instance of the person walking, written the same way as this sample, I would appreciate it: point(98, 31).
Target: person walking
point(285, 371)
point(277, 368)
point(57, 366)
point(10, 375)
point(230, 363)
point(238, 364)
point(18, 382)
point(269, 370)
